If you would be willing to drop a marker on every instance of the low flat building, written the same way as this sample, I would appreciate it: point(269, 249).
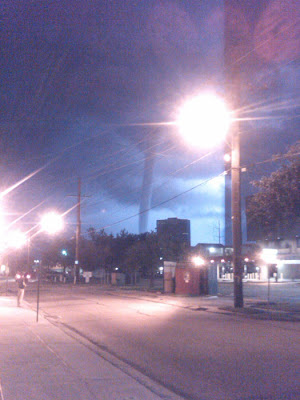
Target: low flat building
point(288, 255)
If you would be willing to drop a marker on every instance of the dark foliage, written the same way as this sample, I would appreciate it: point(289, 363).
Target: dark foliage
point(274, 210)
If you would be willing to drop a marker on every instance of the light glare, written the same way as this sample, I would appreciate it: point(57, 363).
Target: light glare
point(227, 157)
point(52, 223)
point(269, 256)
point(204, 120)
point(16, 239)
point(198, 261)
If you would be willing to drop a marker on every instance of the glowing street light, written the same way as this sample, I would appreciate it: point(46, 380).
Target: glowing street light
point(227, 157)
point(198, 261)
point(52, 222)
point(204, 120)
point(269, 256)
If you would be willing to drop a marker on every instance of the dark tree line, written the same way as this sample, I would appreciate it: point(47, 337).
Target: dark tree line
point(274, 211)
point(129, 253)
point(133, 254)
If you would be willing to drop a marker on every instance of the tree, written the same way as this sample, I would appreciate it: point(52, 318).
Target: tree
point(102, 247)
point(88, 254)
point(275, 209)
point(152, 254)
point(134, 260)
point(50, 249)
point(122, 242)
point(143, 255)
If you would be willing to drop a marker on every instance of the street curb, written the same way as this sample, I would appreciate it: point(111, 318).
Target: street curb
point(130, 369)
point(263, 314)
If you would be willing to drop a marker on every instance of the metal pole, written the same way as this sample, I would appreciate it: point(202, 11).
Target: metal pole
point(236, 219)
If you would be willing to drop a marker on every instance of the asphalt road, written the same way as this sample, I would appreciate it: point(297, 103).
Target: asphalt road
point(198, 354)
point(286, 291)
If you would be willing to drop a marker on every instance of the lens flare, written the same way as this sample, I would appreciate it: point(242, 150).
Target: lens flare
point(204, 120)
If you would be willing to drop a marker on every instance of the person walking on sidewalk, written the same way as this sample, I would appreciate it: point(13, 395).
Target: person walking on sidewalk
point(21, 281)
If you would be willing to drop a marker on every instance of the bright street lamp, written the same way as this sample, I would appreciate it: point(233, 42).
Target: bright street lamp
point(51, 222)
point(204, 120)
point(198, 261)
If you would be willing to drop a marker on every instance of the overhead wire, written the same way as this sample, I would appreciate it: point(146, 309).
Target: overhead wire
point(272, 159)
point(172, 173)
point(164, 202)
point(263, 43)
point(107, 169)
point(110, 187)
point(133, 170)
point(133, 203)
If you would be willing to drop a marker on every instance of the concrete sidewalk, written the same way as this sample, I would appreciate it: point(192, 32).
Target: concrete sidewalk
point(39, 361)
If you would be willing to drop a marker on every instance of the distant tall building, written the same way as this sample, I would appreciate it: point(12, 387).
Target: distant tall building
point(176, 229)
point(174, 236)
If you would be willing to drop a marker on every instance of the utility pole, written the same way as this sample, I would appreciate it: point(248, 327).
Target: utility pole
point(78, 233)
point(236, 219)
point(237, 44)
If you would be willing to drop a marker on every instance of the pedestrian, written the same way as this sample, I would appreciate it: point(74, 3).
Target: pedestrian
point(21, 281)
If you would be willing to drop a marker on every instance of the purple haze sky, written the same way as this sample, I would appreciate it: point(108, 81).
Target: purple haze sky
point(76, 76)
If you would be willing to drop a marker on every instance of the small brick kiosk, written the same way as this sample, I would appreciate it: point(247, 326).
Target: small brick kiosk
point(191, 280)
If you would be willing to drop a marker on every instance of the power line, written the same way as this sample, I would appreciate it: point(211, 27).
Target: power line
point(155, 189)
point(165, 201)
point(273, 159)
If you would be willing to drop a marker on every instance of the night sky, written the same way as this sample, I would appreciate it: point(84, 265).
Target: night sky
point(83, 84)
